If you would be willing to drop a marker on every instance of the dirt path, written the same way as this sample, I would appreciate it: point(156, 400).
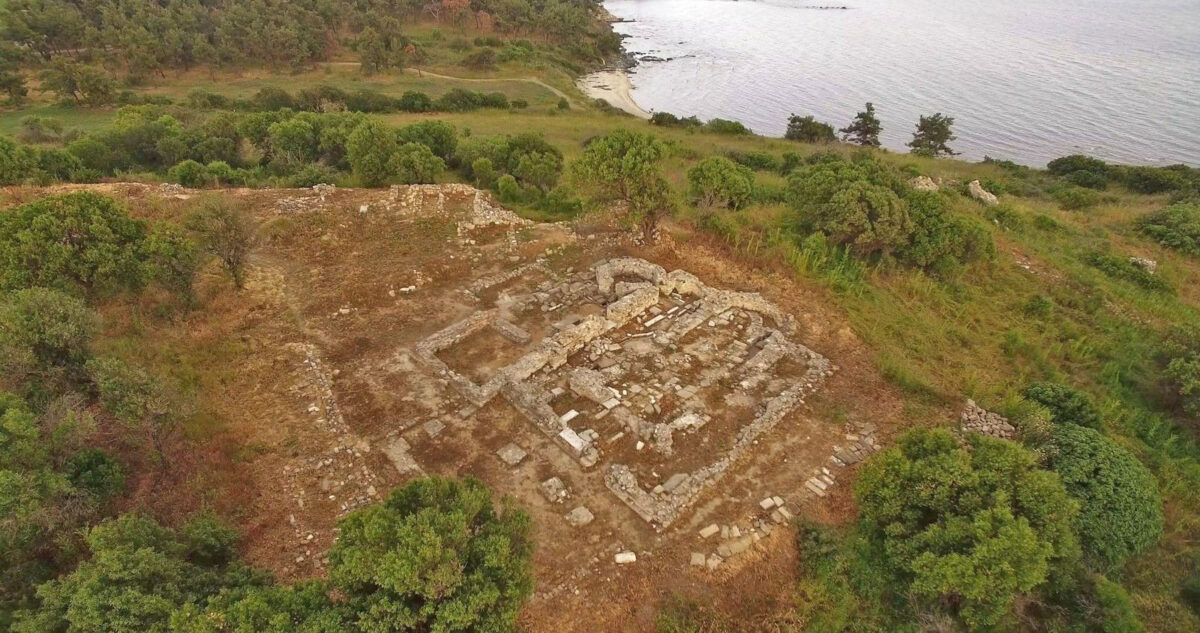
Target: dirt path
point(529, 80)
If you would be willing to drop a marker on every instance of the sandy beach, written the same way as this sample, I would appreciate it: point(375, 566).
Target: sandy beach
point(614, 87)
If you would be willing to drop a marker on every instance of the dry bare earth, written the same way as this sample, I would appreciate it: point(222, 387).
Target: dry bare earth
point(346, 282)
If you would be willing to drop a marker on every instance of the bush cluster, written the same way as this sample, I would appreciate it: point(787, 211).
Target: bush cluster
point(1094, 173)
point(1125, 270)
point(866, 205)
point(1177, 227)
point(715, 126)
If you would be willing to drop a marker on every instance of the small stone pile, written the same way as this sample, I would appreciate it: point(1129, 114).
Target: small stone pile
point(975, 419)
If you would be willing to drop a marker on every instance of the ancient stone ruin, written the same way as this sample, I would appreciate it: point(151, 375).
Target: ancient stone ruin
point(656, 378)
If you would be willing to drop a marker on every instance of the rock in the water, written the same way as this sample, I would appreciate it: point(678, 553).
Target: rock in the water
point(981, 194)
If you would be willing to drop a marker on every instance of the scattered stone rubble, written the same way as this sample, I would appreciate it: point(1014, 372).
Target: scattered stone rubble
point(652, 310)
point(342, 472)
point(978, 420)
point(736, 539)
point(983, 195)
point(431, 200)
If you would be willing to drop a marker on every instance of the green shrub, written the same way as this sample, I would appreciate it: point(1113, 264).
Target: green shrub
point(941, 240)
point(1120, 508)
point(44, 330)
point(809, 130)
point(563, 104)
point(220, 173)
point(1076, 162)
point(74, 241)
point(719, 182)
point(97, 473)
point(369, 149)
point(413, 101)
point(18, 164)
point(1066, 405)
point(436, 555)
point(483, 172)
point(1151, 179)
point(725, 126)
point(438, 136)
point(1177, 227)
point(1122, 268)
point(972, 527)
point(508, 188)
point(189, 173)
point(1076, 198)
point(1091, 179)
point(1115, 610)
point(1039, 306)
point(414, 163)
point(758, 161)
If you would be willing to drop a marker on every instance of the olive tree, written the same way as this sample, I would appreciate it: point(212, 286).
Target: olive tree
point(369, 150)
point(719, 182)
point(414, 163)
point(626, 167)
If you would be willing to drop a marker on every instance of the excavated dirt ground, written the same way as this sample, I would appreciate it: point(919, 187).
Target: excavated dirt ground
point(346, 282)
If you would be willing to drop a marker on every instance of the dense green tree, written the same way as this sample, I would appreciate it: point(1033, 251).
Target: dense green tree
point(190, 173)
point(76, 241)
point(1120, 509)
point(626, 167)
point(864, 129)
point(717, 181)
point(225, 230)
point(809, 130)
point(78, 83)
point(17, 163)
point(414, 163)
point(372, 56)
point(933, 135)
point(971, 527)
point(436, 556)
point(293, 141)
point(44, 333)
point(539, 169)
point(41, 504)
point(138, 574)
point(369, 150)
point(438, 136)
